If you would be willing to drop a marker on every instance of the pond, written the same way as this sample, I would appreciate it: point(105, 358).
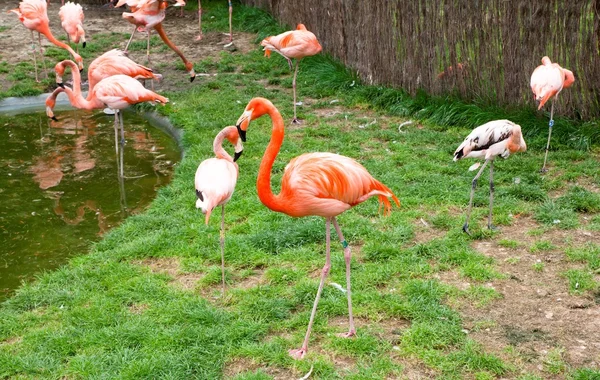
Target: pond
point(60, 189)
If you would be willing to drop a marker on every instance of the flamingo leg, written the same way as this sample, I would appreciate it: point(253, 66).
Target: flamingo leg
point(550, 125)
point(230, 27)
point(34, 59)
point(122, 141)
point(223, 247)
point(299, 353)
point(116, 134)
point(490, 225)
point(130, 38)
point(473, 186)
point(295, 120)
point(347, 257)
point(199, 37)
point(42, 55)
point(148, 59)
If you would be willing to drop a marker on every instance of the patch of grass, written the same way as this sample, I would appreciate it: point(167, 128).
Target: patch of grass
point(507, 243)
point(553, 214)
point(580, 200)
point(584, 374)
point(542, 246)
point(538, 267)
point(580, 281)
point(554, 362)
point(481, 295)
point(588, 254)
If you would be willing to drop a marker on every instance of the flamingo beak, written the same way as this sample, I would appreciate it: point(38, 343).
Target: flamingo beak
point(237, 155)
point(83, 44)
point(243, 123)
point(239, 148)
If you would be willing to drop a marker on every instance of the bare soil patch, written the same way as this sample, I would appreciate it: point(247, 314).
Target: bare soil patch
point(243, 365)
point(171, 266)
point(537, 314)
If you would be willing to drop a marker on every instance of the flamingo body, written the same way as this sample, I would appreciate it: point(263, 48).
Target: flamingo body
point(71, 16)
point(498, 138)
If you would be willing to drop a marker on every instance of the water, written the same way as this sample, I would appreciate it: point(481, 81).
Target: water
point(60, 189)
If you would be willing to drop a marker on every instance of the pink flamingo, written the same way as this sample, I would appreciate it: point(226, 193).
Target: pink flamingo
point(488, 141)
point(33, 14)
point(147, 15)
point(323, 184)
point(116, 92)
point(215, 182)
point(113, 62)
point(297, 44)
point(547, 81)
point(71, 16)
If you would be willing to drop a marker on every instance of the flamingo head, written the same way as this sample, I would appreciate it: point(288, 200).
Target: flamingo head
point(234, 138)
point(50, 103)
point(255, 109)
point(79, 61)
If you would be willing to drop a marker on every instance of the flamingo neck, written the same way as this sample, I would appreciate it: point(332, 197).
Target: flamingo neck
point(75, 97)
point(263, 182)
point(46, 32)
point(161, 32)
point(220, 152)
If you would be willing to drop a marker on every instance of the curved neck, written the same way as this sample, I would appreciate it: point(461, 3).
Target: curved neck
point(46, 32)
point(75, 97)
point(220, 152)
point(263, 182)
point(161, 32)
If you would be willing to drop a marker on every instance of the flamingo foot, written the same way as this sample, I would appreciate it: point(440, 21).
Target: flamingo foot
point(544, 170)
point(198, 38)
point(349, 334)
point(492, 227)
point(297, 354)
point(466, 229)
point(296, 121)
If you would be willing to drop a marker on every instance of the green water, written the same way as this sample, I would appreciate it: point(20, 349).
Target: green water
point(60, 189)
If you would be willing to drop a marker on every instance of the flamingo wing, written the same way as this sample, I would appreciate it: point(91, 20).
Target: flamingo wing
point(546, 82)
point(293, 44)
point(121, 91)
point(327, 184)
point(71, 16)
point(33, 14)
point(486, 139)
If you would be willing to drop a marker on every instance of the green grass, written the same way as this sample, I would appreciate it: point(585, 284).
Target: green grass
point(105, 314)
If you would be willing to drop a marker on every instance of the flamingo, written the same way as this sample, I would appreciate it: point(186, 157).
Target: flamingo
point(33, 14)
point(71, 16)
point(215, 181)
point(116, 92)
point(488, 141)
point(547, 81)
point(323, 184)
point(297, 44)
point(147, 15)
point(113, 62)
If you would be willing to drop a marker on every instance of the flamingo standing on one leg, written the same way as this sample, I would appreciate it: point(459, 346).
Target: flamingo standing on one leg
point(323, 184)
point(116, 92)
point(71, 16)
point(488, 141)
point(215, 181)
point(547, 81)
point(33, 14)
point(113, 62)
point(297, 44)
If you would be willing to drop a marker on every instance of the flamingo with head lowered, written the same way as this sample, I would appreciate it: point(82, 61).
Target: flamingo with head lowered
point(33, 14)
point(215, 182)
point(71, 16)
point(323, 184)
point(547, 81)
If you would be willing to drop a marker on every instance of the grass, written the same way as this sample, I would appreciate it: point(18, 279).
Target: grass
point(106, 314)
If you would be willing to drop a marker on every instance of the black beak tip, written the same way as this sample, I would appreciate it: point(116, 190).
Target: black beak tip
point(237, 155)
point(80, 70)
point(54, 118)
point(241, 133)
point(192, 78)
point(61, 85)
point(84, 45)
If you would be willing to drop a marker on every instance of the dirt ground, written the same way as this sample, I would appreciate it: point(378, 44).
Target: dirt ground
point(100, 19)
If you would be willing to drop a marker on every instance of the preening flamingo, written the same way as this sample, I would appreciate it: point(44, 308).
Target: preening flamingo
point(71, 17)
point(113, 62)
point(323, 184)
point(547, 81)
point(33, 14)
point(215, 182)
point(147, 15)
point(488, 141)
point(116, 92)
point(297, 44)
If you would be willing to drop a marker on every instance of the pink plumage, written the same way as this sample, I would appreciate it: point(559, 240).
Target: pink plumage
point(71, 16)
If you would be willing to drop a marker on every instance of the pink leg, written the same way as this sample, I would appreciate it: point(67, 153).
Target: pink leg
point(299, 354)
point(34, 60)
point(295, 120)
point(199, 37)
point(42, 55)
point(223, 247)
point(130, 38)
point(230, 27)
point(347, 257)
